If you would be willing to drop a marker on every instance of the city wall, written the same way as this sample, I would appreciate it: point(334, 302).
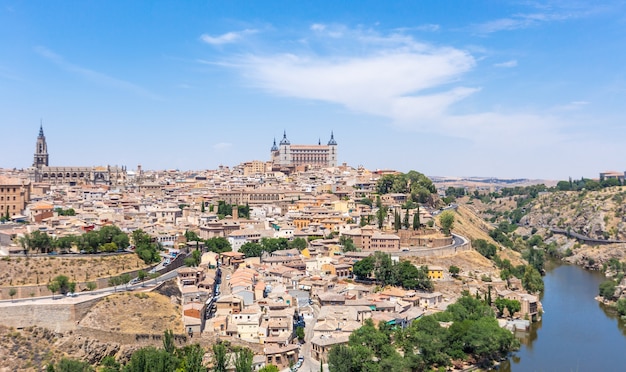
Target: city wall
point(435, 252)
point(58, 317)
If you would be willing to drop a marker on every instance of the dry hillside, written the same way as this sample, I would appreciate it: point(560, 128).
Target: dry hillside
point(597, 214)
point(470, 225)
point(15, 271)
point(137, 312)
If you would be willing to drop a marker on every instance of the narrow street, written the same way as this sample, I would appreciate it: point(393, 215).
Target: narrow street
point(309, 364)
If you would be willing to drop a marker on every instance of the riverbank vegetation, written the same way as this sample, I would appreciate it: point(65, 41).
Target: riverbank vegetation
point(467, 332)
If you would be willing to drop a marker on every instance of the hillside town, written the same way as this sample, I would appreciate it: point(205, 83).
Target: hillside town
point(290, 304)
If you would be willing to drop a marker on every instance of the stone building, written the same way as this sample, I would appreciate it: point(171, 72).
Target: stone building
point(287, 157)
point(42, 172)
point(14, 195)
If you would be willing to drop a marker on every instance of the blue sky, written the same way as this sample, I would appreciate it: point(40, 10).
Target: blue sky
point(457, 88)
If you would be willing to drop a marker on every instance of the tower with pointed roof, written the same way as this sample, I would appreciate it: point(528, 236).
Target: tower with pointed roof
point(332, 151)
point(41, 150)
point(284, 151)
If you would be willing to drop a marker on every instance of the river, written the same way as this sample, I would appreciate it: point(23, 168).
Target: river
point(577, 333)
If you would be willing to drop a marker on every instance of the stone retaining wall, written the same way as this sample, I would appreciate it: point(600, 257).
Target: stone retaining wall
point(56, 317)
point(434, 252)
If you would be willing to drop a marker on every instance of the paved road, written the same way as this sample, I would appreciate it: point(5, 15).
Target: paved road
point(309, 364)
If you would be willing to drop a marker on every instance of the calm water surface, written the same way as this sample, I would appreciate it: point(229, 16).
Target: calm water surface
point(577, 333)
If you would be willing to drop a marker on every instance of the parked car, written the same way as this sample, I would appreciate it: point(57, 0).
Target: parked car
point(71, 294)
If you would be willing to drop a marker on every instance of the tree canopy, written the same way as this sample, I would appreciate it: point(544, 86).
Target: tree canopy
point(474, 335)
point(417, 184)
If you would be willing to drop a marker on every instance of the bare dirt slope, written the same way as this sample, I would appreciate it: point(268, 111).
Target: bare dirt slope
point(27, 350)
point(466, 261)
point(137, 312)
point(16, 271)
point(470, 225)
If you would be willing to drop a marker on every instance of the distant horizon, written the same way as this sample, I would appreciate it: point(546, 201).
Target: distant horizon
point(509, 89)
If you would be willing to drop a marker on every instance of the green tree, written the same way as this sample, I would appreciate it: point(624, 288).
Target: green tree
point(124, 279)
point(396, 221)
point(383, 268)
point(151, 359)
point(141, 275)
point(532, 281)
point(91, 286)
point(218, 244)
point(168, 341)
point(607, 289)
point(416, 219)
point(37, 241)
point(512, 306)
point(411, 277)
point(243, 360)
point(108, 247)
point(364, 267)
point(109, 364)
point(347, 243)
point(63, 283)
point(191, 236)
point(454, 270)
point(269, 368)
point(191, 358)
point(483, 247)
point(621, 306)
point(71, 365)
point(406, 219)
point(12, 293)
point(147, 250)
point(381, 215)
point(194, 259)
point(300, 333)
point(446, 220)
point(114, 281)
point(221, 359)
point(53, 286)
point(298, 243)
point(251, 249)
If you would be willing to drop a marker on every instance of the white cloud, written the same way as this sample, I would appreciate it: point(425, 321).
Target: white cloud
point(94, 76)
point(428, 27)
point(227, 38)
point(572, 106)
point(222, 146)
point(414, 85)
point(318, 27)
point(507, 64)
point(554, 13)
point(390, 82)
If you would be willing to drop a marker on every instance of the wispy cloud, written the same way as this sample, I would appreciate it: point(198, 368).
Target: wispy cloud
point(507, 64)
point(227, 38)
point(428, 27)
point(395, 77)
point(572, 106)
point(222, 146)
point(545, 14)
point(94, 76)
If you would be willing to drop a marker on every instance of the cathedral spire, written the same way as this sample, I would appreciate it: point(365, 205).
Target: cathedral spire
point(332, 141)
point(41, 149)
point(285, 141)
